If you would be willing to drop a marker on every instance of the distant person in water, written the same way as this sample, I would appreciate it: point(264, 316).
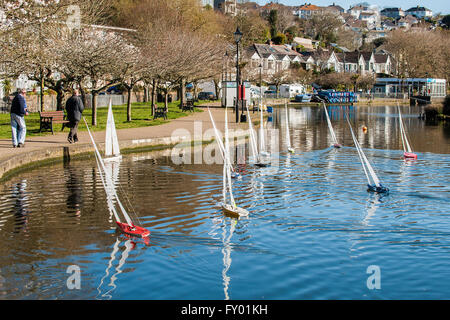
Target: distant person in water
point(18, 126)
point(74, 109)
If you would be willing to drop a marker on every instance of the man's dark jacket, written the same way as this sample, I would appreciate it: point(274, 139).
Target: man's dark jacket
point(74, 108)
point(19, 105)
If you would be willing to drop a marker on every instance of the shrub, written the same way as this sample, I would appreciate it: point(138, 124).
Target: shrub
point(446, 109)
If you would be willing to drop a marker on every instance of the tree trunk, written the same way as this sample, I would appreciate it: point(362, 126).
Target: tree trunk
point(59, 96)
point(42, 92)
point(94, 107)
point(145, 94)
point(129, 104)
point(153, 97)
point(216, 88)
point(182, 92)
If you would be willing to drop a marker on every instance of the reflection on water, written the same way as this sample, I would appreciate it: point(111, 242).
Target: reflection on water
point(107, 294)
point(311, 234)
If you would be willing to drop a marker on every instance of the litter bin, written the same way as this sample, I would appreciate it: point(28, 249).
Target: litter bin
point(243, 117)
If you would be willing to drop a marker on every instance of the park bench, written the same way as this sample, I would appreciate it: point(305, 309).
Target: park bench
point(48, 118)
point(189, 106)
point(160, 112)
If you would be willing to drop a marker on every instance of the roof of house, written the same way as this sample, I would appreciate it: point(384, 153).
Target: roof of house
point(336, 7)
point(359, 7)
point(411, 19)
point(381, 58)
point(391, 10)
point(389, 24)
point(351, 57)
point(309, 7)
point(417, 9)
point(365, 13)
point(366, 55)
point(278, 51)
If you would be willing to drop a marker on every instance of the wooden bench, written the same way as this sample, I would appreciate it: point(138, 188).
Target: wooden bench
point(189, 105)
point(160, 113)
point(48, 118)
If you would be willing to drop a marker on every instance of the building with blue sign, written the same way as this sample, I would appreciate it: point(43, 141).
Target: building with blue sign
point(392, 87)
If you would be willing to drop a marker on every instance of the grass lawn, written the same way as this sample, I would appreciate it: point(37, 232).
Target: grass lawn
point(140, 117)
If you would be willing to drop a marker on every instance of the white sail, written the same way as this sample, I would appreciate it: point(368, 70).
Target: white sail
point(111, 192)
point(288, 137)
point(364, 161)
point(111, 141)
point(330, 127)
point(262, 143)
point(227, 164)
point(252, 142)
point(218, 137)
point(405, 142)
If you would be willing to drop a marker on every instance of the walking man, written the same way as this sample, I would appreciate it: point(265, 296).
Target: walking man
point(74, 109)
point(18, 111)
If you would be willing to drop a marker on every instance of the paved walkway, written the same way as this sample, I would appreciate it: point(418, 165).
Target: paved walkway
point(50, 146)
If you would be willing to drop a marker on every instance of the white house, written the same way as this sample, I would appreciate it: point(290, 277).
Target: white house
point(371, 18)
point(273, 58)
point(393, 13)
point(420, 12)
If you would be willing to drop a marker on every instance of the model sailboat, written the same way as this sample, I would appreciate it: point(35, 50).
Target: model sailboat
point(263, 158)
point(288, 136)
point(229, 205)
point(112, 150)
point(129, 227)
point(336, 144)
point(374, 183)
point(407, 151)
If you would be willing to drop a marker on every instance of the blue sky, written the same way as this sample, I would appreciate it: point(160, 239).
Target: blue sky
point(442, 6)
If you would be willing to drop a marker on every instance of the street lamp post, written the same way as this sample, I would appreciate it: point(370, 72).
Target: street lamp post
point(260, 87)
point(237, 39)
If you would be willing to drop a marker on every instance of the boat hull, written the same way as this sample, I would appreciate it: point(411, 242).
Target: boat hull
point(133, 230)
point(377, 189)
point(234, 211)
point(409, 155)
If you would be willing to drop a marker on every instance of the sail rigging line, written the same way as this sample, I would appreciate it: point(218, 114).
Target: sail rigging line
point(108, 179)
point(330, 126)
point(110, 198)
point(364, 161)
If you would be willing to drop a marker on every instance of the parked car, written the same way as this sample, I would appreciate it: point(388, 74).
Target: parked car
point(206, 96)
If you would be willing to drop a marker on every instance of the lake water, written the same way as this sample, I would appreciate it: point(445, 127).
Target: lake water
point(312, 233)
